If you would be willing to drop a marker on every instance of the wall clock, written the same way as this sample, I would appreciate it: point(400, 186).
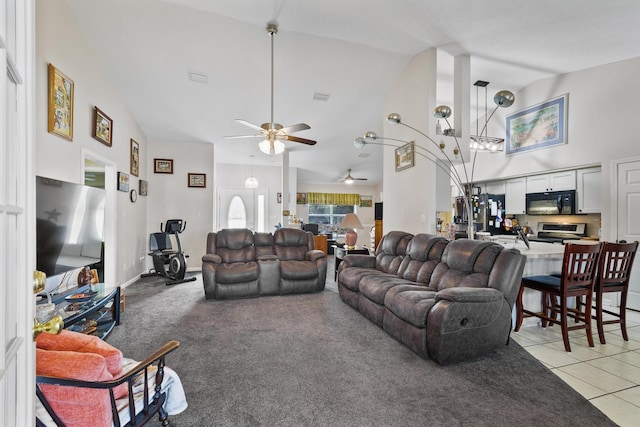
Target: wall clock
point(133, 195)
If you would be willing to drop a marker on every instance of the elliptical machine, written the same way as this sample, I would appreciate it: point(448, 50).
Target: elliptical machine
point(166, 261)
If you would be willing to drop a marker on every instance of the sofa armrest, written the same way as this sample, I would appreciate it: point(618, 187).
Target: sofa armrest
point(359, 260)
point(212, 258)
point(469, 295)
point(315, 255)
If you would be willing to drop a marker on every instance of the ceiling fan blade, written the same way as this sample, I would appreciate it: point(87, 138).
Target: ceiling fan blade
point(295, 128)
point(359, 179)
point(243, 136)
point(248, 124)
point(296, 139)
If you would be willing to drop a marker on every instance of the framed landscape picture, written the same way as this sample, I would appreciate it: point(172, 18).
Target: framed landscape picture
point(144, 187)
point(539, 126)
point(405, 156)
point(135, 158)
point(197, 180)
point(102, 127)
point(60, 115)
point(123, 182)
point(162, 166)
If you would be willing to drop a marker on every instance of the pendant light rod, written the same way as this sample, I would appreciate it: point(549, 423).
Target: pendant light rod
point(272, 29)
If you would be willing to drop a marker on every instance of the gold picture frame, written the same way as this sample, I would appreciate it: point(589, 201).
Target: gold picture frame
point(198, 180)
point(162, 166)
point(135, 158)
point(405, 157)
point(102, 127)
point(60, 115)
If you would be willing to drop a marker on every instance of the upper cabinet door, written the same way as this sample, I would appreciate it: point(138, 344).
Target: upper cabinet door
point(589, 190)
point(515, 199)
point(557, 181)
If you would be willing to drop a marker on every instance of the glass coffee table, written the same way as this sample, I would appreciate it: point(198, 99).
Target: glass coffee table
point(90, 312)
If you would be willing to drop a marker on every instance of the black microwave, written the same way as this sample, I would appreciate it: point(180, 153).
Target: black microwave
point(552, 203)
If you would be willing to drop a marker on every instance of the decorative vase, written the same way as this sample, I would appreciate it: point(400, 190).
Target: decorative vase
point(351, 238)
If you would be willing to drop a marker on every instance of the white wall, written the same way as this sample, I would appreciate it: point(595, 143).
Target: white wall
point(59, 41)
point(170, 197)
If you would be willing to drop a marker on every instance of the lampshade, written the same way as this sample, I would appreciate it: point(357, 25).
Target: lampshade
point(274, 147)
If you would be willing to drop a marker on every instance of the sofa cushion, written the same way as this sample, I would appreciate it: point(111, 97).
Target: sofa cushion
point(237, 272)
point(298, 270)
point(465, 263)
point(410, 303)
point(350, 277)
point(291, 244)
point(264, 245)
point(391, 250)
point(235, 245)
point(374, 287)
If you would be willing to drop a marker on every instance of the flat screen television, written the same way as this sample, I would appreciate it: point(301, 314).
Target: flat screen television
point(69, 227)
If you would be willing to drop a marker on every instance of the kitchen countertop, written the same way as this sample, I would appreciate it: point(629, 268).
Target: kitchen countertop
point(536, 249)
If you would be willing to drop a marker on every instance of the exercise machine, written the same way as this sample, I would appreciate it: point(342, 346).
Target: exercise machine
point(168, 262)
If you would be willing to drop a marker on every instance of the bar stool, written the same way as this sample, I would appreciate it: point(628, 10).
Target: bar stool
point(614, 271)
point(579, 268)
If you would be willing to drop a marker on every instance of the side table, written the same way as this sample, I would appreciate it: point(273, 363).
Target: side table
point(340, 253)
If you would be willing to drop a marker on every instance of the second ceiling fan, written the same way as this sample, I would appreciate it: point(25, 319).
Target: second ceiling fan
point(272, 132)
point(349, 179)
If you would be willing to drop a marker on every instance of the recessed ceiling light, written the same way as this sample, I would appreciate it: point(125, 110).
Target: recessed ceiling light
point(199, 78)
point(320, 96)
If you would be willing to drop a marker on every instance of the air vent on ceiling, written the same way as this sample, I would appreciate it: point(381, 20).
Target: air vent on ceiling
point(363, 155)
point(321, 96)
point(199, 78)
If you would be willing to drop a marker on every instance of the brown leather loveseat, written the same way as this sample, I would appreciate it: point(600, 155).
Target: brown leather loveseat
point(240, 263)
point(445, 300)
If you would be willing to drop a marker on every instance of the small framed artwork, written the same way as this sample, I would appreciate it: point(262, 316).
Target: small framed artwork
point(279, 197)
point(301, 198)
point(162, 166)
point(539, 126)
point(123, 182)
point(102, 127)
point(366, 201)
point(60, 115)
point(405, 157)
point(197, 180)
point(144, 187)
point(135, 158)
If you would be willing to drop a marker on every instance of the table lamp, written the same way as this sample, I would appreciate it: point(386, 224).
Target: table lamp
point(352, 222)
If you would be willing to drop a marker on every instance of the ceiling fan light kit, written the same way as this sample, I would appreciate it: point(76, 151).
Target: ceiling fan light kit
point(349, 179)
point(273, 133)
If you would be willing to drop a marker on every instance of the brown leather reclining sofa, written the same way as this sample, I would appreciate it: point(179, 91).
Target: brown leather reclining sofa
point(445, 300)
point(240, 264)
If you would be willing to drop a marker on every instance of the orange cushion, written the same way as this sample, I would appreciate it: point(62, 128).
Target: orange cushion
point(76, 407)
point(75, 341)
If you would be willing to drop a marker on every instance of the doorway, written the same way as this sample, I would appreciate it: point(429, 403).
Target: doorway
point(242, 208)
point(627, 225)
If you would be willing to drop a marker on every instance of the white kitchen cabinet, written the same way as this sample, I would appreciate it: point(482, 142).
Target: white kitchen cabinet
point(556, 181)
point(494, 187)
point(515, 196)
point(589, 190)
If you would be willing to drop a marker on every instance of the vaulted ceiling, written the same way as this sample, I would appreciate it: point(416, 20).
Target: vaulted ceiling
point(350, 50)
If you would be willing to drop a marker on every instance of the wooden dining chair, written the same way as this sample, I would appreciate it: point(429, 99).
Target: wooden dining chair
point(614, 271)
point(577, 280)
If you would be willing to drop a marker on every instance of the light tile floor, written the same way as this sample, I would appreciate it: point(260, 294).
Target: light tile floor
point(607, 374)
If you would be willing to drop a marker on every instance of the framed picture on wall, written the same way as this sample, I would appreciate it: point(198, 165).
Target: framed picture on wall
point(60, 115)
point(144, 187)
point(404, 157)
point(102, 127)
point(135, 158)
point(366, 201)
point(301, 198)
point(162, 166)
point(123, 182)
point(197, 180)
point(279, 198)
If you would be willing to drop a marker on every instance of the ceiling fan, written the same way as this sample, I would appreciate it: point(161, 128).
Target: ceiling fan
point(349, 179)
point(274, 133)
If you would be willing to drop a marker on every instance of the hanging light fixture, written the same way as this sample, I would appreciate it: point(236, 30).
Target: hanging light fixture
point(480, 142)
point(251, 182)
